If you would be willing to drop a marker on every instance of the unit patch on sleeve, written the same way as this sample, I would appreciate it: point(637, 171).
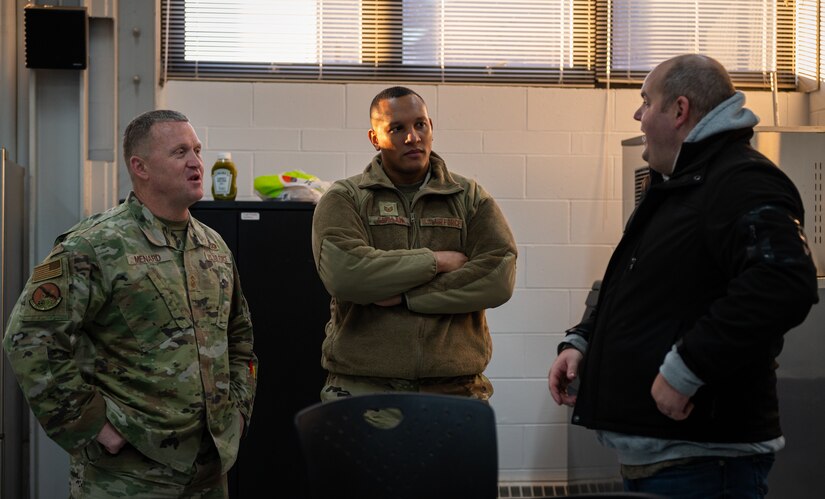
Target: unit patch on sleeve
point(46, 296)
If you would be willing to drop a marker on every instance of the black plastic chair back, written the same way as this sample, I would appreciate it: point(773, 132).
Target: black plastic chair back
point(614, 495)
point(441, 446)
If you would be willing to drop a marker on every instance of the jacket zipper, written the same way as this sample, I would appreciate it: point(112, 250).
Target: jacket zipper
point(414, 244)
point(413, 225)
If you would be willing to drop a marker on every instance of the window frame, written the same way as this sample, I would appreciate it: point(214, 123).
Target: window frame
point(386, 68)
point(589, 68)
point(785, 77)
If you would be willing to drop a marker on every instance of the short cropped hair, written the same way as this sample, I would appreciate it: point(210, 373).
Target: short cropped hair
point(702, 79)
point(138, 130)
point(392, 93)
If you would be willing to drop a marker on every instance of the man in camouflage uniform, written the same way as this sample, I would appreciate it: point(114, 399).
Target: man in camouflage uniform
point(132, 341)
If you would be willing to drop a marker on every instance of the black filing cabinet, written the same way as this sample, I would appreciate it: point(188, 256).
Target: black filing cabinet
point(289, 307)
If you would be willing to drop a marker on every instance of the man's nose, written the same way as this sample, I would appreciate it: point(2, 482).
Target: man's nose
point(638, 114)
point(193, 159)
point(413, 136)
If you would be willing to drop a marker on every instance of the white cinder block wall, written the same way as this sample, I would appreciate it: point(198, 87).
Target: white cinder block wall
point(550, 156)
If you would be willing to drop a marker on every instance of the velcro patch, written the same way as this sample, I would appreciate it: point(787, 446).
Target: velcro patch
point(455, 223)
point(389, 220)
point(141, 259)
point(387, 209)
point(46, 297)
point(48, 270)
point(217, 257)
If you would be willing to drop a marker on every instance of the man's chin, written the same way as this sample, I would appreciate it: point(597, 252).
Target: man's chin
point(418, 161)
point(196, 196)
point(415, 164)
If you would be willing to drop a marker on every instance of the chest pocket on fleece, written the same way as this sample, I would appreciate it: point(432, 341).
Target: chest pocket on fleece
point(152, 311)
point(442, 233)
point(390, 232)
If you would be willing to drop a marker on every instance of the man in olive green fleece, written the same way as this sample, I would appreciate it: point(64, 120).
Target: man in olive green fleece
point(412, 255)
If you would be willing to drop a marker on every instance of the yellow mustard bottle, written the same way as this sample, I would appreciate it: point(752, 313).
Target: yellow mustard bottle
point(224, 174)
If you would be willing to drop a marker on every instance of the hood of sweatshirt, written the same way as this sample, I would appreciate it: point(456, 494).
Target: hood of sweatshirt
point(731, 114)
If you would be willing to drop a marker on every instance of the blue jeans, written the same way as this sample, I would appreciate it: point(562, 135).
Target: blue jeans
point(712, 478)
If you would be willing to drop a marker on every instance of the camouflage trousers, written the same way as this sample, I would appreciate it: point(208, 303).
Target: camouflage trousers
point(96, 474)
point(475, 386)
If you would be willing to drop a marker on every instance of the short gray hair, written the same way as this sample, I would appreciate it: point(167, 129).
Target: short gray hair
point(138, 130)
point(702, 79)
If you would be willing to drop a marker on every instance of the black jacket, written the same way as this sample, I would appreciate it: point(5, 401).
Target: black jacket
point(713, 260)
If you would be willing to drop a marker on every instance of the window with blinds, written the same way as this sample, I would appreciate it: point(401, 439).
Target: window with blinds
point(810, 35)
point(541, 42)
point(524, 41)
point(753, 39)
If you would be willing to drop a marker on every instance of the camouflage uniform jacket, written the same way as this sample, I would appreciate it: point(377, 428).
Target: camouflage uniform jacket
point(371, 243)
point(107, 328)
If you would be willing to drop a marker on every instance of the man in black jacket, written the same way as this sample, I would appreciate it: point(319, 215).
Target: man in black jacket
point(677, 359)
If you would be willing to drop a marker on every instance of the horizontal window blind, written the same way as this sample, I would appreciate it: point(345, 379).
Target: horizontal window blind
point(544, 42)
point(810, 37)
point(753, 39)
point(502, 41)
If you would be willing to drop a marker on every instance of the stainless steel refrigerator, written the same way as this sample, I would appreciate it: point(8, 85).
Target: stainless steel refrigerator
point(14, 457)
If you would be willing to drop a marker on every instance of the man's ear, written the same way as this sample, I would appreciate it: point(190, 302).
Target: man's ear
point(373, 139)
point(682, 109)
point(138, 167)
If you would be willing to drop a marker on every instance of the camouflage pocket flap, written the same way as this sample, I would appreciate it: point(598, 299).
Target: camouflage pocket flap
point(151, 311)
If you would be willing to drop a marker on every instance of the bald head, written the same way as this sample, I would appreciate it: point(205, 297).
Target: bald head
point(702, 79)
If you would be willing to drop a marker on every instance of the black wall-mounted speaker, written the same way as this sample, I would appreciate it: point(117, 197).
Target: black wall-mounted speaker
point(56, 37)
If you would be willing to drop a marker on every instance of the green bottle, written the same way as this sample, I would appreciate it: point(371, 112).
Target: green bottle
point(224, 174)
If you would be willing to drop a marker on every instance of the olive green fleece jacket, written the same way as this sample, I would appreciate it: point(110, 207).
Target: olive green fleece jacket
point(371, 243)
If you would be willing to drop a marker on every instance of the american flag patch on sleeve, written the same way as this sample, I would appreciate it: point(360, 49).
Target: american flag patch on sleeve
point(48, 270)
